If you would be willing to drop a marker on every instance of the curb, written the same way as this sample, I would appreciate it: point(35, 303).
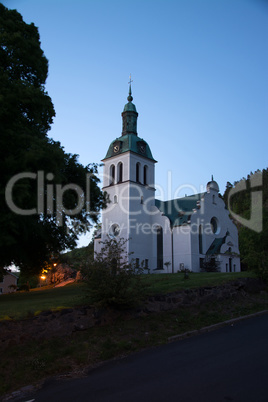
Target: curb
point(214, 326)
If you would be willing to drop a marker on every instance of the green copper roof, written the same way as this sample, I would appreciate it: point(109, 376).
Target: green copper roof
point(130, 107)
point(129, 142)
point(179, 210)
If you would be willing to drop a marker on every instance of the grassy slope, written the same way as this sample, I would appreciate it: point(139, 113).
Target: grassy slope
point(23, 304)
point(32, 361)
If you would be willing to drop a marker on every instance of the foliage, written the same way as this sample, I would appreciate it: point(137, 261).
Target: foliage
point(253, 246)
point(111, 278)
point(78, 257)
point(26, 115)
point(19, 304)
point(31, 280)
point(210, 264)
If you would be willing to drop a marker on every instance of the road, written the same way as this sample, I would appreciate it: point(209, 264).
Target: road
point(228, 364)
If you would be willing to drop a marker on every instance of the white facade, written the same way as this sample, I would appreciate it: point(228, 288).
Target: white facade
point(167, 236)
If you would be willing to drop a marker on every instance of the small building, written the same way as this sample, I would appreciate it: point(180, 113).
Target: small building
point(166, 236)
point(9, 283)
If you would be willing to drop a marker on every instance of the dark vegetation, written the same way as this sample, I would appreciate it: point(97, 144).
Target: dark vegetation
point(31, 240)
point(253, 245)
point(124, 332)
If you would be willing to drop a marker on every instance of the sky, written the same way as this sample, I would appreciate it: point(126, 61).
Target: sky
point(200, 82)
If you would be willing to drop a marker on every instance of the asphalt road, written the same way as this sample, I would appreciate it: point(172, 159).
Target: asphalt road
point(228, 364)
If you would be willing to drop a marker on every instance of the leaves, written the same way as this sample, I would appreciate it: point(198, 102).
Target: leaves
point(47, 197)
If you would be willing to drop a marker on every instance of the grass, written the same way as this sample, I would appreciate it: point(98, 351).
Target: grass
point(72, 355)
point(24, 304)
point(167, 283)
point(31, 361)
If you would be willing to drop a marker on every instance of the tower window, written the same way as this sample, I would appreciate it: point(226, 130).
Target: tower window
point(138, 172)
point(112, 174)
point(115, 199)
point(145, 174)
point(120, 172)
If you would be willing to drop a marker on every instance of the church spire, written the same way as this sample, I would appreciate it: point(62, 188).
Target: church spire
point(129, 114)
point(130, 97)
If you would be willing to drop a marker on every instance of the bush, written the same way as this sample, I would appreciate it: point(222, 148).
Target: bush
point(25, 287)
point(210, 265)
point(111, 279)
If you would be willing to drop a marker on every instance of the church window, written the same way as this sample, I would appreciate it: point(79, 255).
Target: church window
point(215, 227)
point(137, 262)
point(200, 239)
point(159, 242)
point(120, 172)
point(145, 174)
point(138, 172)
point(115, 199)
point(213, 199)
point(141, 199)
point(112, 174)
point(146, 264)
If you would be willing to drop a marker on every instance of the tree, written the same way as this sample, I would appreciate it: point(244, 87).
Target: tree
point(43, 208)
point(253, 246)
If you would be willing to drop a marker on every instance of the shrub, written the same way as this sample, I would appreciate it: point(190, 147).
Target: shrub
point(210, 264)
point(111, 279)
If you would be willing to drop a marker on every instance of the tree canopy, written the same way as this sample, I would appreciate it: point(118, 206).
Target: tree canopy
point(253, 245)
point(47, 197)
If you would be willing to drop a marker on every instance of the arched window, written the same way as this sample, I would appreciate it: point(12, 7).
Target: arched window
point(159, 242)
point(120, 172)
point(115, 199)
point(145, 175)
point(200, 239)
point(138, 172)
point(112, 174)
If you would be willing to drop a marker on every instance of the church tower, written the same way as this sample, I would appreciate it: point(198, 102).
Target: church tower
point(128, 179)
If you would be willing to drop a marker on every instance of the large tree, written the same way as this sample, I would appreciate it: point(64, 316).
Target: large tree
point(47, 197)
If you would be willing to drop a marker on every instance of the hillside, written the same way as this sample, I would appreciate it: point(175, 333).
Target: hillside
point(253, 244)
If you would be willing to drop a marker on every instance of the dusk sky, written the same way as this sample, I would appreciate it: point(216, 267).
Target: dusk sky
point(200, 82)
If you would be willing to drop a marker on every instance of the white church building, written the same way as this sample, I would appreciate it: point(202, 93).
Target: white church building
point(164, 236)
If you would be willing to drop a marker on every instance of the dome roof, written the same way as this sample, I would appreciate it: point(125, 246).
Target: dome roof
point(213, 185)
point(129, 142)
point(130, 107)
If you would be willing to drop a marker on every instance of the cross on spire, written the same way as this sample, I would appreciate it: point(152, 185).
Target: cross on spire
point(130, 98)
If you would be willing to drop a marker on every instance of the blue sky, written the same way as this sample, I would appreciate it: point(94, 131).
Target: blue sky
point(200, 82)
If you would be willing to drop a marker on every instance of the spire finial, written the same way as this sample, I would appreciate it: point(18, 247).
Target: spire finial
point(130, 98)
point(212, 177)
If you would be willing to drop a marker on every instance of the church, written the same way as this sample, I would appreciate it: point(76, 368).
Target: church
point(163, 236)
